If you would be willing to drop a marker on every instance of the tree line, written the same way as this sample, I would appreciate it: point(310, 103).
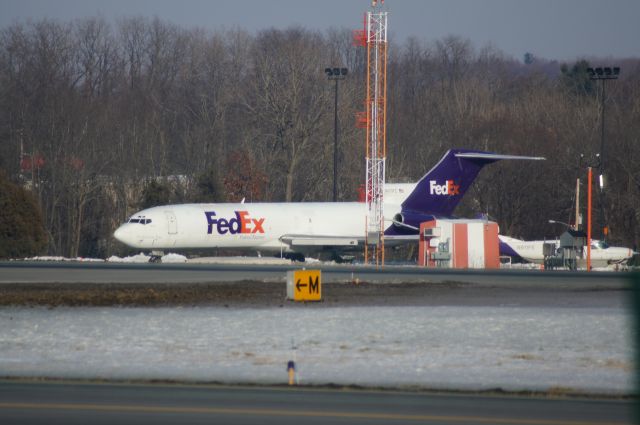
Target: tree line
point(98, 120)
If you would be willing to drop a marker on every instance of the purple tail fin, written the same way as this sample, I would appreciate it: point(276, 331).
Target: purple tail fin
point(441, 189)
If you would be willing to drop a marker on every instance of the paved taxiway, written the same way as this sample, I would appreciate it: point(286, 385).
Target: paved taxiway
point(263, 286)
point(81, 403)
point(89, 272)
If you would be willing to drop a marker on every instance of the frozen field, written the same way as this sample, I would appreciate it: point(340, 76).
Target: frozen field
point(512, 348)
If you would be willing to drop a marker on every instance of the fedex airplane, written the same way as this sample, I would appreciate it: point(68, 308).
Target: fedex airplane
point(296, 229)
point(532, 251)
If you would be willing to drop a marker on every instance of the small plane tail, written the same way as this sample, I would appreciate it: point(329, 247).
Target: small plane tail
point(442, 188)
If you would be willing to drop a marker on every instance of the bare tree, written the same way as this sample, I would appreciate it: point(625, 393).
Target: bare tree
point(288, 100)
point(90, 111)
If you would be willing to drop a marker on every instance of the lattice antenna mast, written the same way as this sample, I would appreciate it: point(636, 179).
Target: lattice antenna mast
point(374, 37)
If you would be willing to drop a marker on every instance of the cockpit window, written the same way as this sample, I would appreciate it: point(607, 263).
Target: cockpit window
point(600, 245)
point(140, 220)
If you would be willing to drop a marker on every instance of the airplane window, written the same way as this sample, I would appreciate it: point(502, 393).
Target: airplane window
point(140, 220)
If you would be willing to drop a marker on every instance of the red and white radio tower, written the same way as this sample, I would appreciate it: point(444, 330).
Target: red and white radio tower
point(374, 119)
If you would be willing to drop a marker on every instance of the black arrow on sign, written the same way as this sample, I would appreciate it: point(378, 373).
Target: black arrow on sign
point(300, 285)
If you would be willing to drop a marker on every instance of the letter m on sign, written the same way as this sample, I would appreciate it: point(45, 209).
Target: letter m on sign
point(314, 286)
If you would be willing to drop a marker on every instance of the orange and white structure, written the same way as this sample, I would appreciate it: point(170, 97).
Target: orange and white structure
point(459, 244)
point(374, 119)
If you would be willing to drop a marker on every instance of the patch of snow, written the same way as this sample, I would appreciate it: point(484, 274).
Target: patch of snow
point(469, 348)
point(523, 266)
point(143, 258)
point(310, 260)
point(609, 268)
point(140, 258)
point(55, 258)
point(46, 258)
point(174, 258)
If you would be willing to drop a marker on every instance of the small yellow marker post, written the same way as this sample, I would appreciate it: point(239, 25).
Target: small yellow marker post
point(291, 369)
point(304, 285)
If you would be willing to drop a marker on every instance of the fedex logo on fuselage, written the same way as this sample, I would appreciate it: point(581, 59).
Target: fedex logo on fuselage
point(241, 223)
point(448, 188)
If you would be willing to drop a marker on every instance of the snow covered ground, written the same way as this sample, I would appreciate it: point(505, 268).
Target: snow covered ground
point(469, 348)
point(142, 258)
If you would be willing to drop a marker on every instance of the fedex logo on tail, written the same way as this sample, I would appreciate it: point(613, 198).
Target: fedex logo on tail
point(448, 188)
point(241, 223)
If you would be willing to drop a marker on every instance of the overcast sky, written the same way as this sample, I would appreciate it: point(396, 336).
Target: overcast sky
point(552, 29)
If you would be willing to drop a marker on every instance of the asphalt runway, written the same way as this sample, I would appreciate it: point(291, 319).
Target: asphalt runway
point(81, 403)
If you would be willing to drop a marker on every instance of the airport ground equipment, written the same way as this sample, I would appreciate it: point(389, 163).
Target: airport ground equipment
point(460, 244)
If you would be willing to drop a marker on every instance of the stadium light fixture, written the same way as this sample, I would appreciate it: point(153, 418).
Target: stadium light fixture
point(603, 74)
point(335, 74)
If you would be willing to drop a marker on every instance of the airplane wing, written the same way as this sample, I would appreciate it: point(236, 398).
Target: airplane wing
point(414, 237)
point(321, 240)
point(339, 241)
point(394, 240)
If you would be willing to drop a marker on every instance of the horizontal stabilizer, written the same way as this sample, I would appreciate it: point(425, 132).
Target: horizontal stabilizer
point(496, 157)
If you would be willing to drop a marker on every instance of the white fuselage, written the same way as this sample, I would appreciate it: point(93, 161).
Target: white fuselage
point(257, 226)
point(277, 227)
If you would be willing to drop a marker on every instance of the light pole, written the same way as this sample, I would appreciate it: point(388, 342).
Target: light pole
point(335, 74)
point(589, 202)
point(590, 177)
point(603, 74)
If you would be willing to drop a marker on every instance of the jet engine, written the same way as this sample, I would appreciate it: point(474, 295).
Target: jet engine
point(410, 221)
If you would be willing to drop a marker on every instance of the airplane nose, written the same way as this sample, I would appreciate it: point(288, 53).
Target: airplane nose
point(121, 234)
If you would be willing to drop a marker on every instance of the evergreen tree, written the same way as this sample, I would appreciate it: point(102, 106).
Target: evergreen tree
point(208, 187)
point(529, 58)
point(154, 194)
point(22, 232)
point(576, 79)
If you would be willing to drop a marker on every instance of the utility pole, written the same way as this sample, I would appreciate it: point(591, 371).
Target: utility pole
point(590, 164)
point(577, 223)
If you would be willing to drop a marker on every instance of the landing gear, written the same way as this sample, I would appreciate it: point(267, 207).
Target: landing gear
point(294, 256)
point(156, 256)
point(340, 259)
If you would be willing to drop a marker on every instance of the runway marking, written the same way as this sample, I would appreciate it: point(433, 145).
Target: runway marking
point(302, 413)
